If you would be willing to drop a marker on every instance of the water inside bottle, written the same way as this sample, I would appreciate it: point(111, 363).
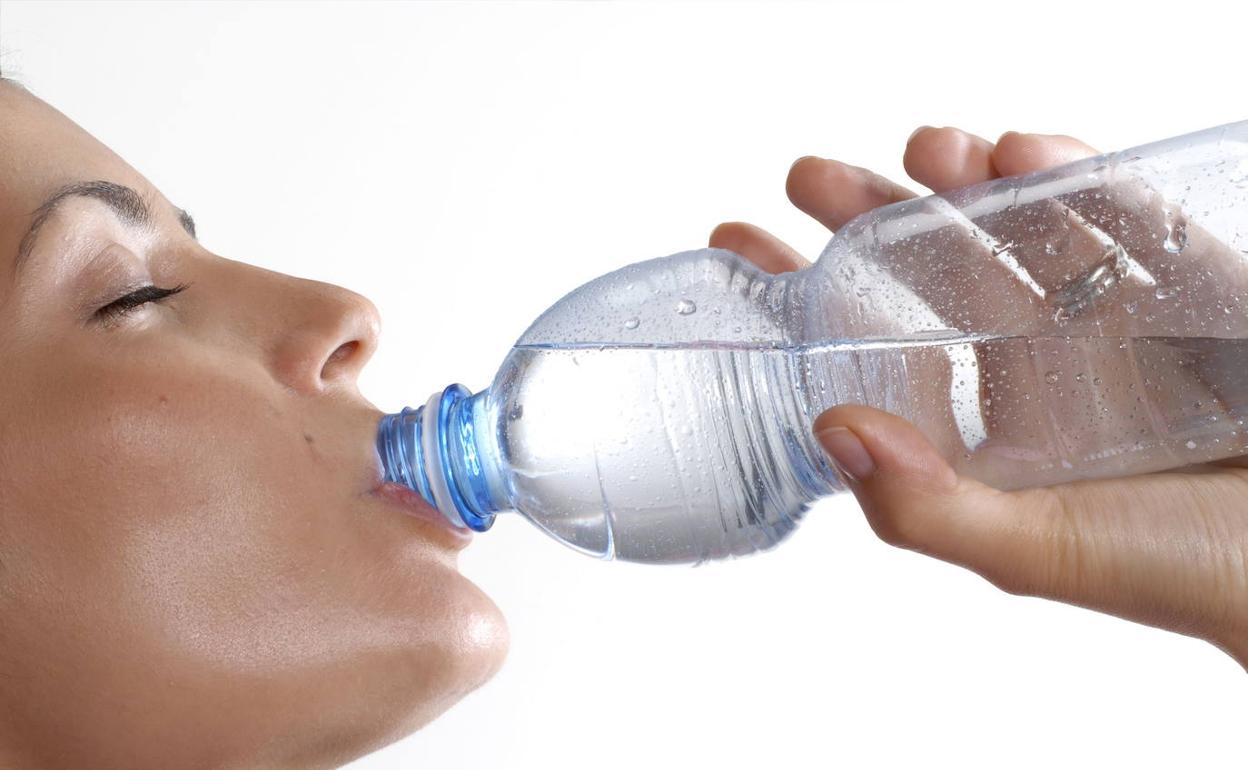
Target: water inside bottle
point(688, 452)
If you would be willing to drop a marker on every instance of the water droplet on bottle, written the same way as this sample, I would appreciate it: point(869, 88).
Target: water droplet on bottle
point(1166, 292)
point(686, 307)
point(1190, 444)
point(1176, 235)
point(1079, 377)
point(1052, 377)
point(632, 323)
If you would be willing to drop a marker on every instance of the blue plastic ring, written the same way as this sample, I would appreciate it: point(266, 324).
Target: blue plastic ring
point(450, 396)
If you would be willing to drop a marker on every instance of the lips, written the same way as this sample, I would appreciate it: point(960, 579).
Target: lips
point(412, 504)
point(432, 524)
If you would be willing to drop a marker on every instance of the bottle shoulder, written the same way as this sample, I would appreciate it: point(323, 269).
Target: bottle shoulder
point(704, 296)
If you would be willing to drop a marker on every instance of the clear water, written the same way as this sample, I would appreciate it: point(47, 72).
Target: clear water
point(687, 453)
point(1087, 320)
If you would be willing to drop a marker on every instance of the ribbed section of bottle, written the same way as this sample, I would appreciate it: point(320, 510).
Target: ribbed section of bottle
point(435, 450)
point(660, 455)
point(1084, 321)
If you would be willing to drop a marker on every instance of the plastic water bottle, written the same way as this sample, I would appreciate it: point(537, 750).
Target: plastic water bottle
point(1084, 321)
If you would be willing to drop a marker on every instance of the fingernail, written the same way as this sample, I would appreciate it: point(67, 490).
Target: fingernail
point(847, 451)
point(799, 160)
point(915, 133)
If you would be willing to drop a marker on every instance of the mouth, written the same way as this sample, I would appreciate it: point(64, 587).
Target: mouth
point(432, 523)
point(412, 504)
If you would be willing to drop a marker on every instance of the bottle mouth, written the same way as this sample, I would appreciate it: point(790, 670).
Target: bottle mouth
point(432, 450)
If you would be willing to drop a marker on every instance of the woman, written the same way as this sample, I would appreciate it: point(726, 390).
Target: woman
point(194, 568)
point(197, 570)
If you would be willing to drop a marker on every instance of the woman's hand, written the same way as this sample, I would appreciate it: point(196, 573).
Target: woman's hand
point(1167, 549)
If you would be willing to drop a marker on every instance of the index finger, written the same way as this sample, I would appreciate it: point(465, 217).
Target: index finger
point(1070, 260)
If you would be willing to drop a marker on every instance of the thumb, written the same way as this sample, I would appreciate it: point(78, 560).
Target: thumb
point(1165, 549)
point(914, 499)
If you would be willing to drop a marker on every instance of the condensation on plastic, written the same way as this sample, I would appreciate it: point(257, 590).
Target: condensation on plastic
point(1079, 322)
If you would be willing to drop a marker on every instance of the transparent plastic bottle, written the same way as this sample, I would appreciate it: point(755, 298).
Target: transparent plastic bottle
point(1084, 321)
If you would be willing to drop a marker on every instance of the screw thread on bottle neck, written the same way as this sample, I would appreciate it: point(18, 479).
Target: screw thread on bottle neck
point(438, 451)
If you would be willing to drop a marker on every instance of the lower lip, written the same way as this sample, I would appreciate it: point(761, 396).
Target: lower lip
point(415, 506)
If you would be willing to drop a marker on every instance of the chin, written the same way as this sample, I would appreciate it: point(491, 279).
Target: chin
point(482, 638)
point(470, 648)
point(448, 653)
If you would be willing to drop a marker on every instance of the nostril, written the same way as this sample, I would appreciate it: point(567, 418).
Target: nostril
point(344, 351)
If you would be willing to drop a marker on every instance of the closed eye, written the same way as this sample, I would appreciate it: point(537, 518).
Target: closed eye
point(129, 302)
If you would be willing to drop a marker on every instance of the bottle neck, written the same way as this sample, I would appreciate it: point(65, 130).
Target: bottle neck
point(447, 451)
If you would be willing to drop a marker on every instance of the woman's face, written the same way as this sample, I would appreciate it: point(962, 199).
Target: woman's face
point(194, 570)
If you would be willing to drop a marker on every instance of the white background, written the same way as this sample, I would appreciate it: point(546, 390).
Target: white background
point(466, 165)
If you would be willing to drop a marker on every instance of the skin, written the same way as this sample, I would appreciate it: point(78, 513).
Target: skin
point(1166, 549)
point(194, 570)
point(195, 573)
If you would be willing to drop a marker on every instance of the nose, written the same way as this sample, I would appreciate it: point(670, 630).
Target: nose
point(329, 334)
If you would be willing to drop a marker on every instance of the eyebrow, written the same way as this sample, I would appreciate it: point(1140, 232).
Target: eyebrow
point(127, 204)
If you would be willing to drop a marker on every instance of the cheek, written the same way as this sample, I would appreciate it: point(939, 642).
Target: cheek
point(193, 537)
point(120, 453)
point(138, 492)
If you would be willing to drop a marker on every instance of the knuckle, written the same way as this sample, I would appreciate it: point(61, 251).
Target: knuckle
point(1052, 560)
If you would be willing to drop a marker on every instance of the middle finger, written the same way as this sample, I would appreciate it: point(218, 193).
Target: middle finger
point(947, 158)
point(834, 193)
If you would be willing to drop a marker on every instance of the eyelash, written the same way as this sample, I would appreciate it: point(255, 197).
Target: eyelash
point(135, 299)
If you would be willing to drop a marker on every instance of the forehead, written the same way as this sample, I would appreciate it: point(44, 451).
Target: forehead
point(41, 151)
